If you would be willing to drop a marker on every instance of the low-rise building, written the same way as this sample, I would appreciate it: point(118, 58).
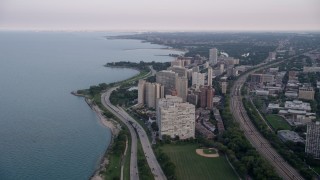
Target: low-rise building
point(262, 92)
point(272, 106)
point(306, 93)
point(286, 135)
point(291, 94)
point(311, 69)
point(297, 105)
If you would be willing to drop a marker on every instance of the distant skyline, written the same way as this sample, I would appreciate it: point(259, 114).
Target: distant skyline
point(161, 15)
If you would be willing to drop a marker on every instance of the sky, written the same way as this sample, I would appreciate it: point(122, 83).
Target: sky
point(160, 15)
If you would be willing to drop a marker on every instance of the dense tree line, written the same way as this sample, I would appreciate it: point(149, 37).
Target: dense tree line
point(119, 145)
point(143, 167)
point(240, 152)
point(296, 159)
point(122, 96)
point(142, 66)
point(167, 166)
point(93, 90)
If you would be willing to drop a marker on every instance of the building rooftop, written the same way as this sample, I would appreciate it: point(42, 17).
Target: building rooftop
point(273, 106)
point(286, 135)
point(297, 105)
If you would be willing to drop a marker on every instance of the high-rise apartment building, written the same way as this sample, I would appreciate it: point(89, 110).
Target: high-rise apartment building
point(167, 101)
point(206, 97)
point(213, 56)
point(313, 139)
point(167, 78)
point(209, 83)
point(198, 79)
point(141, 91)
point(148, 93)
point(181, 71)
point(195, 69)
point(221, 68)
point(175, 118)
point(153, 91)
point(210, 94)
point(182, 87)
point(224, 86)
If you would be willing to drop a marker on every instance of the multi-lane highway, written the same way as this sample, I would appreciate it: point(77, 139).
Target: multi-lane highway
point(146, 146)
point(133, 128)
point(256, 139)
point(134, 174)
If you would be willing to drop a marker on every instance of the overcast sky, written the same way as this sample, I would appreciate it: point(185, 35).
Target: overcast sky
point(180, 15)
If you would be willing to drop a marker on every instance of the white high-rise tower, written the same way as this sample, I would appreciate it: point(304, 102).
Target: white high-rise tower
point(213, 56)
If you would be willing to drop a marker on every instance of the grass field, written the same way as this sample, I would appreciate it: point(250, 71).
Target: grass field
point(126, 167)
point(191, 166)
point(277, 122)
point(113, 168)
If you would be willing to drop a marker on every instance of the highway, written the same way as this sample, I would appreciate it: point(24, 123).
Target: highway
point(262, 145)
point(146, 146)
point(135, 127)
point(134, 174)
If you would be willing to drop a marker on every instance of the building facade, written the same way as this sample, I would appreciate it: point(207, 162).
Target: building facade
point(153, 91)
point(182, 87)
point(141, 91)
point(306, 93)
point(206, 97)
point(210, 73)
point(224, 86)
point(213, 56)
point(176, 118)
point(167, 78)
point(181, 71)
point(313, 139)
point(198, 79)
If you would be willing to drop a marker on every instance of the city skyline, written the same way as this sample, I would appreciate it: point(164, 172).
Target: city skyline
point(142, 15)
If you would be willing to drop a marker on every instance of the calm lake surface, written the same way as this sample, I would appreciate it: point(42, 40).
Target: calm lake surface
point(45, 132)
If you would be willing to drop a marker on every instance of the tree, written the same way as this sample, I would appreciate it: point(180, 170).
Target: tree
point(154, 126)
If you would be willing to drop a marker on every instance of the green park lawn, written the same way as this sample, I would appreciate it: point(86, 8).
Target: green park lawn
point(191, 166)
point(277, 122)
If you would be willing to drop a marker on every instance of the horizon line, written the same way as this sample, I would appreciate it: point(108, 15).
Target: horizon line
point(151, 30)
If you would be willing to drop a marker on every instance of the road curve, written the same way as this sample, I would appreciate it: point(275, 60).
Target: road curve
point(134, 174)
point(146, 146)
point(262, 145)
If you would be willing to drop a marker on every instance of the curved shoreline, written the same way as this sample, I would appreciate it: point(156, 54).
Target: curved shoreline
point(113, 125)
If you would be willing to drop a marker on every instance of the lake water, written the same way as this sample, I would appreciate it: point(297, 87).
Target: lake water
point(45, 132)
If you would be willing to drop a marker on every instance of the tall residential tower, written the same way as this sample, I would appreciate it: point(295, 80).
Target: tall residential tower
point(213, 56)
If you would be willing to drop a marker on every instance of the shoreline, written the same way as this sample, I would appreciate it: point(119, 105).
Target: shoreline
point(113, 125)
point(107, 123)
point(115, 129)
